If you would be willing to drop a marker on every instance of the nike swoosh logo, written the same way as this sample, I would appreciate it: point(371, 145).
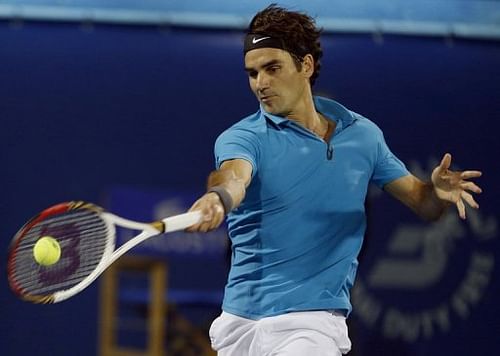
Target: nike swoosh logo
point(257, 40)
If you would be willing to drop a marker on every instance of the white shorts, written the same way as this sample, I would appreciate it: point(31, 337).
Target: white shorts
point(318, 333)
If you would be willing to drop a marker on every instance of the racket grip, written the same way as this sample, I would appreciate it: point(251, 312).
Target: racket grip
point(182, 221)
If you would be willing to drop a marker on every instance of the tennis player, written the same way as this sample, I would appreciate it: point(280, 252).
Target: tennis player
point(292, 179)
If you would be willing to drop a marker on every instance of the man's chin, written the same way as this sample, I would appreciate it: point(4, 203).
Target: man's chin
point(271, 109)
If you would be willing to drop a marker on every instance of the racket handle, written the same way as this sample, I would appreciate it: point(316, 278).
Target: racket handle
point(182, 221)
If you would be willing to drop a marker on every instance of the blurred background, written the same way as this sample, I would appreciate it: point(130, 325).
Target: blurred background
point(120, 102)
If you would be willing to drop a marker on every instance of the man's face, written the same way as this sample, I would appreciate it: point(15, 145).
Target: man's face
point(275, 80)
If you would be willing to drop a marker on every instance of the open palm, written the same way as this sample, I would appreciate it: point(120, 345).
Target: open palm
point(454, 187)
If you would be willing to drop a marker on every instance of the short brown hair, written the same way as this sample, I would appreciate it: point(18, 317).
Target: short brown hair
point(297, 30)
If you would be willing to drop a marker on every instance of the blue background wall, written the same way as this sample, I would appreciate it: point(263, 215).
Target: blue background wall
point(84, 108)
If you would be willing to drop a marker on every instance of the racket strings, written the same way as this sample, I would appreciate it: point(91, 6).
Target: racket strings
point(27, 270)
point(82, 236)
point(48, 226)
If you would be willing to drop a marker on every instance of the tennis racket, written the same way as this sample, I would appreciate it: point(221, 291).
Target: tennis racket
point(86, 234)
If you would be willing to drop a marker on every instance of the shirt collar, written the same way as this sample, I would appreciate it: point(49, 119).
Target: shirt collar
point(334, 111)
point(276, 120)
point(328, 107)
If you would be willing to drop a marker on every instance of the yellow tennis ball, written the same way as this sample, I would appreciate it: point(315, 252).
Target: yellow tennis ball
point(47, 251)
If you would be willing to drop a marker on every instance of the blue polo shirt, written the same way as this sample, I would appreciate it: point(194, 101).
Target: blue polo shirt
point(297, 234)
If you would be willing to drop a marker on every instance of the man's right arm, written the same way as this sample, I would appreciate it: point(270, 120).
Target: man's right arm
point(226, 188)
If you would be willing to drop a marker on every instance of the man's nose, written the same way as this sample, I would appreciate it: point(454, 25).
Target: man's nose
point(262, 81)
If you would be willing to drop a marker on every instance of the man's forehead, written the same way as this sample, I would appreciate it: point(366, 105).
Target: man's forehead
point(261, 56)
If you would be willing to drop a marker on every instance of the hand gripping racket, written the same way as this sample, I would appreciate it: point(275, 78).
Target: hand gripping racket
point(86, 235)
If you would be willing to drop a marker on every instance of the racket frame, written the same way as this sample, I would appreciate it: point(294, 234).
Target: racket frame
point(110, 254)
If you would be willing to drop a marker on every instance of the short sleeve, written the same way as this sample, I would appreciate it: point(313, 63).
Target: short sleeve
point(237, 143)
point(387, 167)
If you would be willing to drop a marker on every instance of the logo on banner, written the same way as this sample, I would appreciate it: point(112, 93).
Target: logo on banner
point(428, 276)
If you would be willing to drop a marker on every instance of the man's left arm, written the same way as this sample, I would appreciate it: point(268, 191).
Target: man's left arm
point(430, 200)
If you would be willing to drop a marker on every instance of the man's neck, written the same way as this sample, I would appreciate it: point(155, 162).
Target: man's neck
point(305, 114)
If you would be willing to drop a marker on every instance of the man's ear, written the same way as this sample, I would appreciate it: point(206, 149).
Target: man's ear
point(308, 65)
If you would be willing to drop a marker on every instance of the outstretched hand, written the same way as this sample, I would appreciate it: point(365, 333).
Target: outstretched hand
point(454, 187)
point(212, 212)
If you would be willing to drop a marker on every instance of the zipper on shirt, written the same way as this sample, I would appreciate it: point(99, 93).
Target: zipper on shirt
point(329, 151)
point(328, 138)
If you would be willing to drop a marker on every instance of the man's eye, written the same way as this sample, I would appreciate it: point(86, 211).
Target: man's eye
point(273, 69)
point(252, 74)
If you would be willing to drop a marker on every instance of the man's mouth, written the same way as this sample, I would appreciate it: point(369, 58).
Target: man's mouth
point(266, 98)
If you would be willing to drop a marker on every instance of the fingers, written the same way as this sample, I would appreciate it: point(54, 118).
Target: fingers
point(470, 186)
point(469, 199)
point(464, 195)
point(212, 213)
point(211, 219)
point(470, 174)
point(445, 162)
point(461, 208)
